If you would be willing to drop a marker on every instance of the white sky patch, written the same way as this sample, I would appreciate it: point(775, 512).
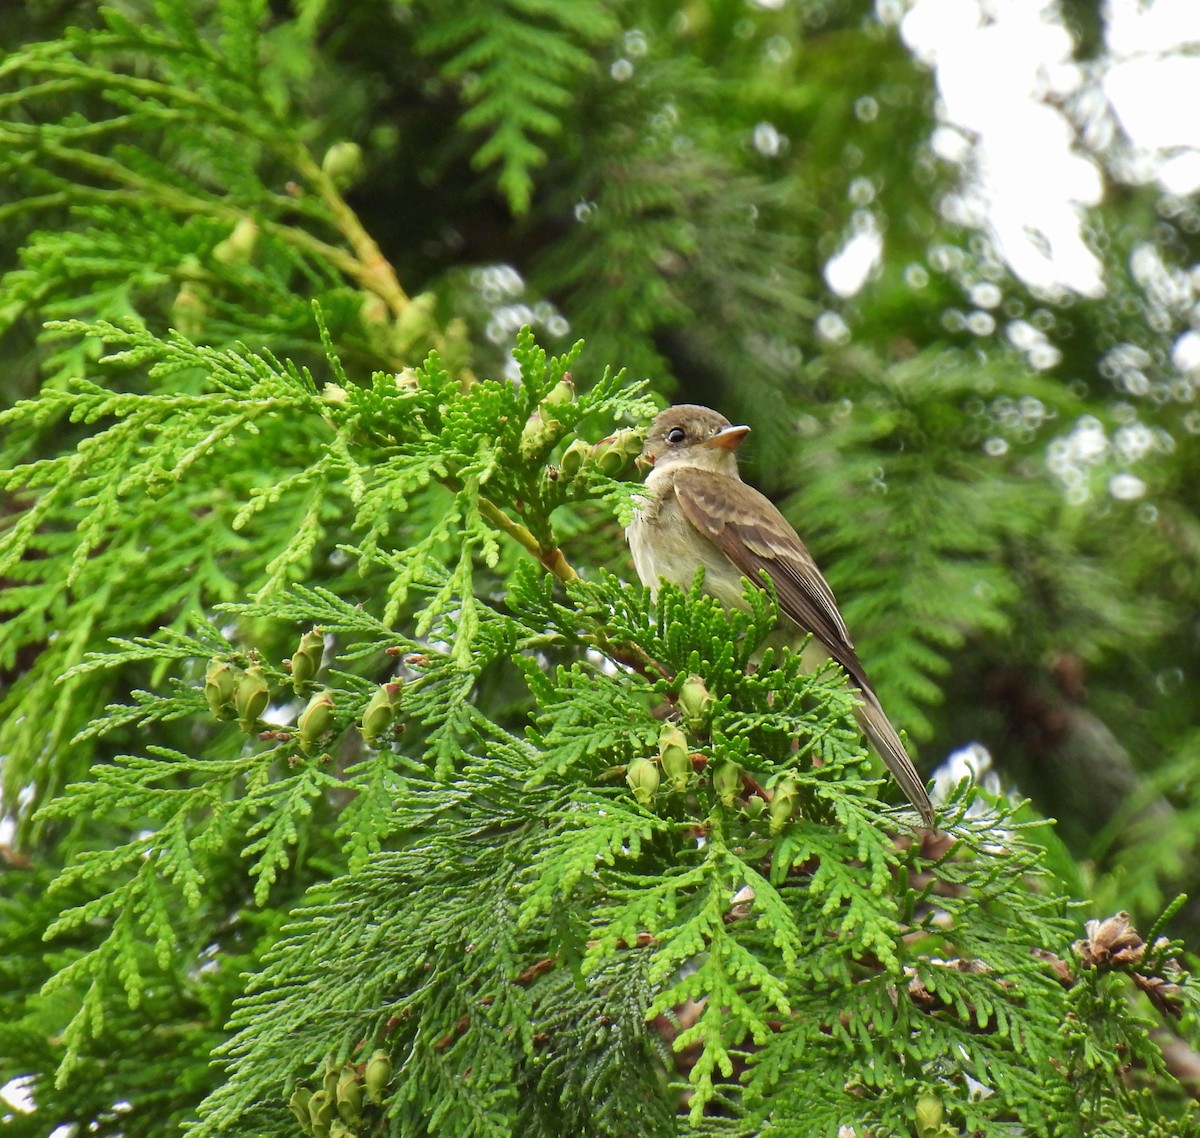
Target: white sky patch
point(1185, 355)
point(1135, 27)
point(995, 66)
point(16, 1094)
point(850, 267)
point(1180, 174)
point(1152, 86)
point(1174, 82)
point(972, 761)
point(767, 140)
point(1126, 487)
point(1002, 69)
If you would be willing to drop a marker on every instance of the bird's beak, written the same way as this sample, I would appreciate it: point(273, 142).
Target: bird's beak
point(728, 438)
point(644, 461)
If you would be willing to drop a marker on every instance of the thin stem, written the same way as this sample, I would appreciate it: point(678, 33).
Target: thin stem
point(550, 556)
point(367, 265)
point(183, 202)
point(375, 272)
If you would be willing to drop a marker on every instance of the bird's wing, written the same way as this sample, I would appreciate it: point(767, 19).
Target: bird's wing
point(754, 535)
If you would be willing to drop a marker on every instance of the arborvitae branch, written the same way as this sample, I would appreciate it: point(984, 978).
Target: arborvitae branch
point(327, 693)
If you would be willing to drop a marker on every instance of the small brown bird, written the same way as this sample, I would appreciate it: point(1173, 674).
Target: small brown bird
point(700, 512)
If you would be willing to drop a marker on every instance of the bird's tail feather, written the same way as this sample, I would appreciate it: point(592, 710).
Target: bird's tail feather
point(883, 738)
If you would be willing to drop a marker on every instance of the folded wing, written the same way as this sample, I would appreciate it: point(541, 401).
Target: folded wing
point(754, 535)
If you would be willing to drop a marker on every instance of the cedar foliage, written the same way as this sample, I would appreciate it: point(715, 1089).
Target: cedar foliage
point(414, 874)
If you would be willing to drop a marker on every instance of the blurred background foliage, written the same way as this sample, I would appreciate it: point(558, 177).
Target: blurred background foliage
point(996, 469)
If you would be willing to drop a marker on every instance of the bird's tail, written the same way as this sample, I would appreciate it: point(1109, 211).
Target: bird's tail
point(883, 738)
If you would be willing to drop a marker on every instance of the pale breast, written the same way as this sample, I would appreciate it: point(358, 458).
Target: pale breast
point(664, 544)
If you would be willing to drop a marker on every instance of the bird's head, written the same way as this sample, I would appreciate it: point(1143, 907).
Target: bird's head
point(689, 435)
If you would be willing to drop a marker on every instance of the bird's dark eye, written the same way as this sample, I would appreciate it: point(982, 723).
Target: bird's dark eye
point(676, 435)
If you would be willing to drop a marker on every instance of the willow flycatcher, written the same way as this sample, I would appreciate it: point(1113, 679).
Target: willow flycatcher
point(700, 512)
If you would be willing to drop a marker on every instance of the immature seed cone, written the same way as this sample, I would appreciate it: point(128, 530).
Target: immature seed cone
point(783, 804)
point(251, 698)
point(298, 1105)
point(695, 700)
point(377, 1075)
point(540, 432)
point(727, 781)
point(617, 452)
point(316, 721)
point(574, 458)
point(320, 1110)
point(189, 309)
point(329, 1079)
point(675, 757)
point(343, 162)
point(643, 779)
point(380, 712)
point(415, 324)
point(349, 1095)
point(220, 686)
point(929, 1113)
point(306, 660)
point(238, 247)
point(562, 392)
